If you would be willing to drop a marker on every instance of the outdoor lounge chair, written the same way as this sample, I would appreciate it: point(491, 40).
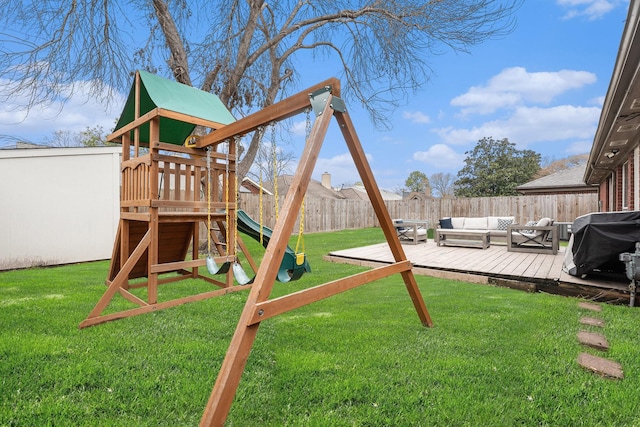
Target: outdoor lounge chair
point(539, 238)
point(412, 230)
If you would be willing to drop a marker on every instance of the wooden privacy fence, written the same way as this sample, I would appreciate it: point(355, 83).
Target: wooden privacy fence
point(323, 214)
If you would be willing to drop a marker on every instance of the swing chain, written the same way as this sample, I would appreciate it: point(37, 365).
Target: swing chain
point(226, 196)
point(261, 203)
point(300, 241)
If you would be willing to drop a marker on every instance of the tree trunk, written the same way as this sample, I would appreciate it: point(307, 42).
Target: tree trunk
point(177, 62)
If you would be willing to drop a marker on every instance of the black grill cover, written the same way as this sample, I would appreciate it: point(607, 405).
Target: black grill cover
point(598, 239)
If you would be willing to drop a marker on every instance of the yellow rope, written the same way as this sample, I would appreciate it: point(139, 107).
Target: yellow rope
point(226, 197)
point(300, 241)
point(209, 201)
point(235, 187)
point(261, 211)
point(275, 168)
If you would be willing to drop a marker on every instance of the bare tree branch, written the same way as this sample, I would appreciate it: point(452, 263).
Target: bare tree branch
point(248, 52)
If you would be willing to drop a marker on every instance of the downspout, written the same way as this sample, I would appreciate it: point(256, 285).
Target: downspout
point(636, 178)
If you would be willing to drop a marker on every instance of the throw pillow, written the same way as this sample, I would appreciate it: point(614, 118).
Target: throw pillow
point(530, 224)
point(445, 223)
point(543, 222)
point(503, 223)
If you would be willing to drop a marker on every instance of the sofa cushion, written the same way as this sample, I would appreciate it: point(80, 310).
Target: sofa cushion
point(475, 223)
point(492, 222)
point(446, 223)
point(457, 222)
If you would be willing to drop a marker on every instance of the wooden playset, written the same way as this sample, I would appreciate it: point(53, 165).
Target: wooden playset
point(170, 190)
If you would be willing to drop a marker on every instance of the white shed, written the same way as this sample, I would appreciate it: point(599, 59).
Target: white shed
point(58, 205)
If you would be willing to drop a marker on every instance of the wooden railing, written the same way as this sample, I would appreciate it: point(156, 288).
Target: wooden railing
point(182, 183)
point(136, 182)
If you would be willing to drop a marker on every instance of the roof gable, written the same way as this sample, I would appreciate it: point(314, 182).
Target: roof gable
point(158, 92)
point(570, 179)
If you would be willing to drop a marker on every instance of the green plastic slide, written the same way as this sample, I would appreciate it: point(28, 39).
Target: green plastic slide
point(289, 268)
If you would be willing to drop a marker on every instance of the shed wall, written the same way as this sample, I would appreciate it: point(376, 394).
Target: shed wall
point(58, 205)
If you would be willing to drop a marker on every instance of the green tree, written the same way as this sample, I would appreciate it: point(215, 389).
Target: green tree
point(246, 52)
point(90, 137)
point(495, 168)
point(417, 182)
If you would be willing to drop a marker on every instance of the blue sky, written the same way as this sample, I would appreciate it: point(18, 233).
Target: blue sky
point(541, 86)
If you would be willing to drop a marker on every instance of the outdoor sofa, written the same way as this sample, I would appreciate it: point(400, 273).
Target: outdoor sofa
point(463, 231)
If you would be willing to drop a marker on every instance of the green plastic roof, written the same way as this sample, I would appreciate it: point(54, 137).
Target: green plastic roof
point(169, 95)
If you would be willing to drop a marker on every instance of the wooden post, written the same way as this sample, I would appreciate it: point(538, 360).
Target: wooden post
point(152, 286)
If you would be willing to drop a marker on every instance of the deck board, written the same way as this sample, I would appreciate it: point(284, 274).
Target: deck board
point(496, 262)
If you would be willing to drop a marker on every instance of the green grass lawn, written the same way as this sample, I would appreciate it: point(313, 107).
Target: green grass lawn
point(494, 357)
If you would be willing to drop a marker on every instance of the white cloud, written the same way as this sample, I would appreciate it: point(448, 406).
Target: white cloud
point(529, 125)
point(391, 140)
point(579, 147)
point(592, 9)
point(515, 86)
point(416, 117)
point(74, 114)
point(438, 155)
point(299, 128)
point(599, 101)
point(341, 167)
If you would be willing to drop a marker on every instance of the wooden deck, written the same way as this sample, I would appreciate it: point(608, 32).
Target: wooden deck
point(494, 265)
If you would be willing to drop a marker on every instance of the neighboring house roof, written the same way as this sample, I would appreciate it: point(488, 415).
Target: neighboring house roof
point(358, 192)
point(418, 195)
point(619, 126)
point(564, 181)
point(250, 186)
point(315, 188)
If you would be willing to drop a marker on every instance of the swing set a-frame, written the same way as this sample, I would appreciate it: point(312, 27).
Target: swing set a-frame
point(153, 239)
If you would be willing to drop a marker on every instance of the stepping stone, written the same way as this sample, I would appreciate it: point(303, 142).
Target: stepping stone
point(590, 306)
point(593, 339)
point(599, 365)
point(592, 321)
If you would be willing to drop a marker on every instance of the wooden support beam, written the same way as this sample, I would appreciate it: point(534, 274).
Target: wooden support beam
point(154, 250)
point(118, 281)
point(131, 297)
point(289, 107)
point(160, 306)
point(268, 309)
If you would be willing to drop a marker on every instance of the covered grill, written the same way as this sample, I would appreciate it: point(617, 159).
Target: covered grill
point(597, 241)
